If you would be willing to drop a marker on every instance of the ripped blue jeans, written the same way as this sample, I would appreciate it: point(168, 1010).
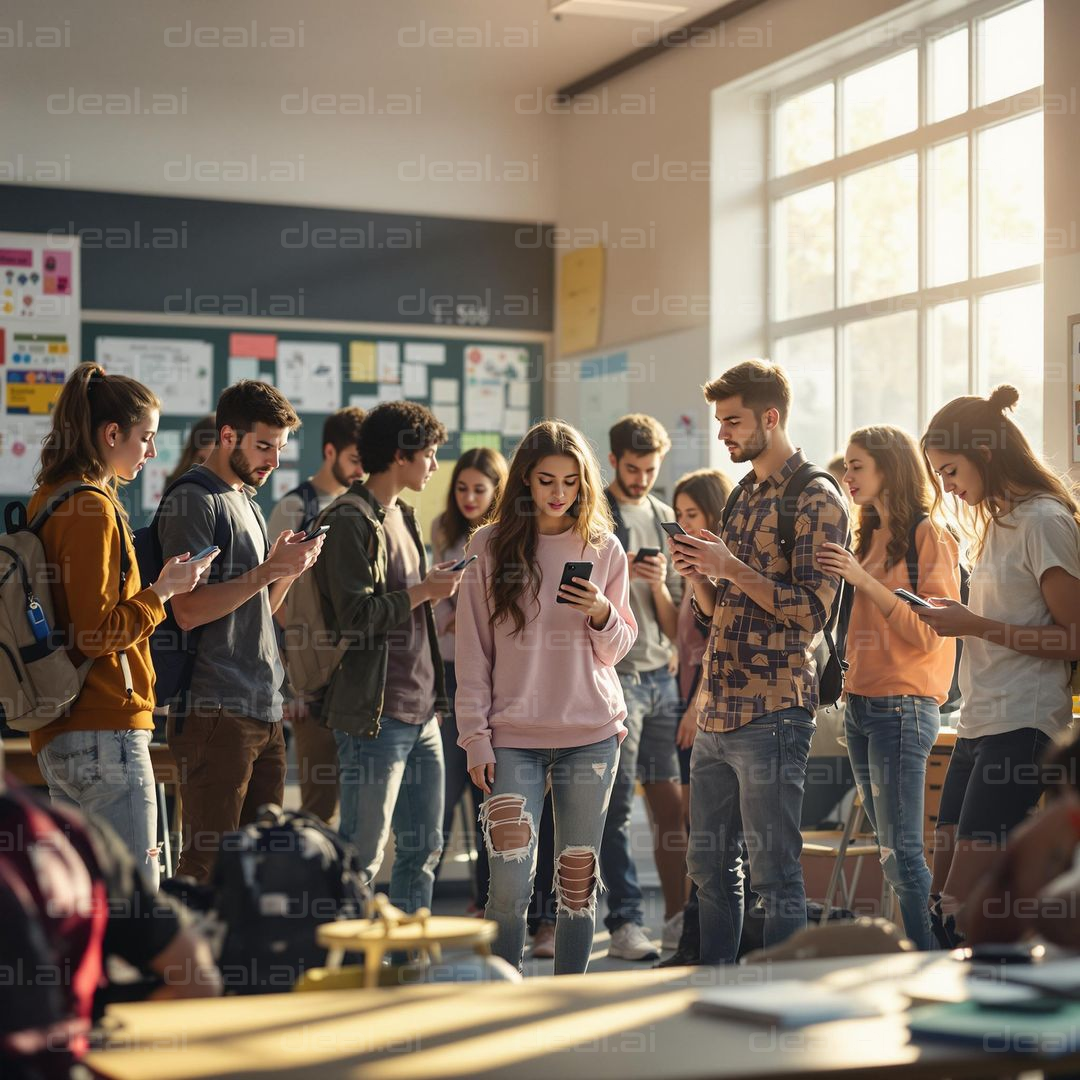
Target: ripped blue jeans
point(581, 782)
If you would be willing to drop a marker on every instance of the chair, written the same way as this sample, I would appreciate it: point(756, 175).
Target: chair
point(839, 846)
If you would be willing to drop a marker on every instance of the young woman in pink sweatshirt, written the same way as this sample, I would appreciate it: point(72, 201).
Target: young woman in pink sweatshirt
point(538, 699)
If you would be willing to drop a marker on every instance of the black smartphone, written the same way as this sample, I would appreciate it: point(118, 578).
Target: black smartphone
point(570, 571)
point(205, 551)
point(911, 599)
point(673, 529)
point(464, 562)
point(646, 553)
point(308, 537)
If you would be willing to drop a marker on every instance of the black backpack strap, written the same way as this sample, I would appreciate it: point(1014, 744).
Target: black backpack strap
point(800, 479)
point(622, 533)
point(221, 533)
point(729, 506)
point(913, 555)
point(309, 498)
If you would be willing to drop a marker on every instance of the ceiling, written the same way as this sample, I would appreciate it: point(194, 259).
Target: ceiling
point(463, 47)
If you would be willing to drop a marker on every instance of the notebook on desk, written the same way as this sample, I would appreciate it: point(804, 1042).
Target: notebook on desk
point(1002, 1030)
point(787, 1003)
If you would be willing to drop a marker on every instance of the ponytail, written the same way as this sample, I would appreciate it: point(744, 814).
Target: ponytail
point(89, 399)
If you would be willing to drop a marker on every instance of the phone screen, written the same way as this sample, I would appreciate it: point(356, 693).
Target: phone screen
point(672, 528)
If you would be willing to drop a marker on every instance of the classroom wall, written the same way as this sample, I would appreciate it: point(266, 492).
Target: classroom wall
point(235, 137)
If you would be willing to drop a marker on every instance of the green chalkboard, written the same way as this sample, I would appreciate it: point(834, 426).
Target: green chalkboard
point(309, 435)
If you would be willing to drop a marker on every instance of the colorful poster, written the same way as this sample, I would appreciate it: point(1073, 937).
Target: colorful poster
point(257, 346)
point(20, 452)
point(57, 273)
point(33, 392)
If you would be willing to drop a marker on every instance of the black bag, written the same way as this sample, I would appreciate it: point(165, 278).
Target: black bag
point(831, 677)
point(276, 881)
point(173, 650)
point(309, 498)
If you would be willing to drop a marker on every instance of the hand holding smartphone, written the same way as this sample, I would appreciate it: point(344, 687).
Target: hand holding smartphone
point(462, 563)
point(911, 599)
point(322, 530)
point(213, 549)
point(646, 553)
point(673, 529)
point(572, 570)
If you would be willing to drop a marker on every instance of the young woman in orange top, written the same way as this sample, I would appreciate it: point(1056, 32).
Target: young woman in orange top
point(97, 756)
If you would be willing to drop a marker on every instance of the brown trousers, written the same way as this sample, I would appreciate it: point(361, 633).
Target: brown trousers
point(317, 764)
point(229, 766)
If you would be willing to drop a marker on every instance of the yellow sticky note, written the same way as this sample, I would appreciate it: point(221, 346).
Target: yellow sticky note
point(362, 361)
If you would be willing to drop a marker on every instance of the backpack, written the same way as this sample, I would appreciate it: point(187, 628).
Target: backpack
point(622, 532)
point(173, 650)
point(312, 650)
point(38, 678)
point(831, 678)
point(309, 497)
point(54, 910)
point(955, 697)
point(276, 881)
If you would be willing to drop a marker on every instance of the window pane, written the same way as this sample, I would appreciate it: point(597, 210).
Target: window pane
point(947, 209)
point(882, 101)
point(949, 76)
point(806, 129)
point(880, 230)
point(1010, 51)
point(1010, 195)
point(948, 354)
point(881, 362)
point(808, 360)
point(1011, 351)
point(804, 252)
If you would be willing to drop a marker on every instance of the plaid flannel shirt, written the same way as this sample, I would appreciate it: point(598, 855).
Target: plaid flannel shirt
point(756, 662)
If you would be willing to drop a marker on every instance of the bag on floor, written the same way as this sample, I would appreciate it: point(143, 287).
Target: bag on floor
point(276, 882)
point(39, 680)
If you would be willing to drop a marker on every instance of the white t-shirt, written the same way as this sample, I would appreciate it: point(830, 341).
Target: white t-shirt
point(1005, 690)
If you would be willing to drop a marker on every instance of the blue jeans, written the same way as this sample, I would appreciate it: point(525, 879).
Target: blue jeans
point(747, 786)
point(108, 774)
point(395, 779)
point(581, 783)
point(653, 710)
point(889, 740)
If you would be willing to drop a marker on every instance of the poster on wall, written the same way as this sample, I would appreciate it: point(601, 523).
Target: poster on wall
point(179, 371)
point(309, 375)
point(39, 335)
point(496, 382)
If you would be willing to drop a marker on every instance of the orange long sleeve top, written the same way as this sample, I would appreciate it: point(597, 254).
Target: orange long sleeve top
point(82, 541)
point(900, 654)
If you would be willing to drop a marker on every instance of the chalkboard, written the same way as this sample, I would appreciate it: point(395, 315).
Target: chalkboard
point(309, 436)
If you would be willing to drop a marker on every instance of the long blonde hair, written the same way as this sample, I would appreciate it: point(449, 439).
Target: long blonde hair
point(514, 531)
point(978, 430)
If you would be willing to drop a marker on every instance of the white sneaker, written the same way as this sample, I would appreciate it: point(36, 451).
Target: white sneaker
point(630, 942)
point(669, 939)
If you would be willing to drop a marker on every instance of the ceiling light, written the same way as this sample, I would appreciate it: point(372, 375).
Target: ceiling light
point(638, 10)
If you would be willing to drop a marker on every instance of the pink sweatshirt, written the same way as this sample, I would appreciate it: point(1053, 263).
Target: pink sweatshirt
point(554, 685)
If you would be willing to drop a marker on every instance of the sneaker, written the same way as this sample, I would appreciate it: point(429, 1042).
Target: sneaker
point(679, 958)
point(543, 946)
point(669, 939)
point(630, 942)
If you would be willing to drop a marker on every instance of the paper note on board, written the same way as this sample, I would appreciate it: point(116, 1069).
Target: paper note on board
point(425, 352)
point(448, 415)
point(473, 440)
point(517, 395)
point(388, 361)
point(362, 362)
point(445, 391)
point(242, 367)
point(581, 299)
point(155, 472)
point(309, 374)
point(20, 451)
point(179, 371)
point(515, 422)
point(367, 402)
point(257, 346)
point(414, 380)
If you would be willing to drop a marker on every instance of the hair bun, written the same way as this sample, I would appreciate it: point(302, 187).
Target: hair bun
point(1004, 397)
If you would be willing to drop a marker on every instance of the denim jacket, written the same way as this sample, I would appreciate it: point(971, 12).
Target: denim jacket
point(351, 575)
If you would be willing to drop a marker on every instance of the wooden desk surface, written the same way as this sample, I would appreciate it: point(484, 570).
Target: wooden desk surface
point(610, 1026)
point(22, 764)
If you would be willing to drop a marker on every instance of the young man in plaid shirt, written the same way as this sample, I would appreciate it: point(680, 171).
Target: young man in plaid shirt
point(759, 686)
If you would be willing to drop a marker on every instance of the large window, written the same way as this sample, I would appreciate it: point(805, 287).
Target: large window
point(906, 218)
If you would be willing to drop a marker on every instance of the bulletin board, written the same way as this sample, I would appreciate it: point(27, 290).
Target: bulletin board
point(486, 393)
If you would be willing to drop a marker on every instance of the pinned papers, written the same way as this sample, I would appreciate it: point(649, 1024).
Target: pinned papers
point(181, 372)
point(362, 362)
point(309, 374)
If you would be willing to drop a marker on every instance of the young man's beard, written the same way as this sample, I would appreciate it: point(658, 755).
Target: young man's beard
point(339, 475)
point(757, 445)
point(239, 465)
point(629, 494)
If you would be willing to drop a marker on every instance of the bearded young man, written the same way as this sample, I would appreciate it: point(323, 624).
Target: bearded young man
point(234, 699)
point(759, 686)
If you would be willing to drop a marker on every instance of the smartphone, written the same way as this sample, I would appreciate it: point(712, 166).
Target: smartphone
point(911, 598)
point(646, 553)
point(308, 537)
point(673, 529)
point(570, 571)
point(464, 562)
point(205, 551)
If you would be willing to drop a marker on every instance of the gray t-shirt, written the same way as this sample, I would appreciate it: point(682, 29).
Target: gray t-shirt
point(1005, 690)
point(410, 672)
point(237, 666)
point(652, 649)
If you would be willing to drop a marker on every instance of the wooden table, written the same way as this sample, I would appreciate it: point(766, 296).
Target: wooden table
point(21, 762)
point(610, 1026)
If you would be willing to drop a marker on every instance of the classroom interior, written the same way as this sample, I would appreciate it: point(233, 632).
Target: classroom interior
point(515, 209)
